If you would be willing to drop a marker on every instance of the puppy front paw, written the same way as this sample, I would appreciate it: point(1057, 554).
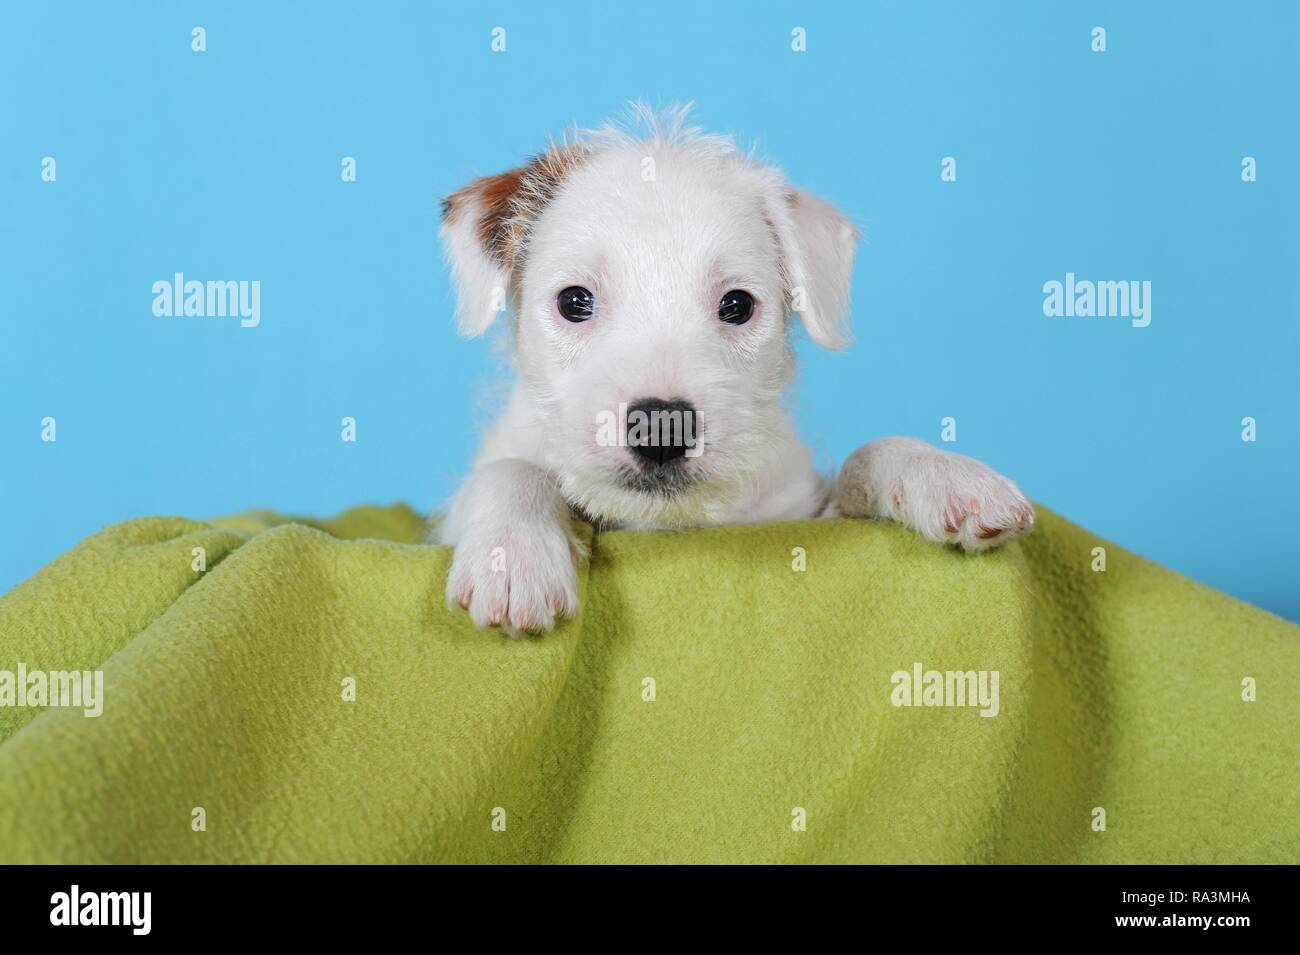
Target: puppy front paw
point(521, 578)
point(980, 508)
point(943, 496)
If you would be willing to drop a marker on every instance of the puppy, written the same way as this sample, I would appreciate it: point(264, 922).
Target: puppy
point(653, 273)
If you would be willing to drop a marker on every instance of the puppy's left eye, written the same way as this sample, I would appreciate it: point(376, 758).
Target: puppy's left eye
point(576, 303)
point(736, 307)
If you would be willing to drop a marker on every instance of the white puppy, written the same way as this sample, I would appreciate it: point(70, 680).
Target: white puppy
point(652, 279)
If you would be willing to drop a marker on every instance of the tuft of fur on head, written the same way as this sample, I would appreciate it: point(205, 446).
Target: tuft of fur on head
point(644, 125)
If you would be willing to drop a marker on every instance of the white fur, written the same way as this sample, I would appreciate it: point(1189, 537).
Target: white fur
point(658, 255)
point(482, 285)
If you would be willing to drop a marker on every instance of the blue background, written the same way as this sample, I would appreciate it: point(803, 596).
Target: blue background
point(225, 165)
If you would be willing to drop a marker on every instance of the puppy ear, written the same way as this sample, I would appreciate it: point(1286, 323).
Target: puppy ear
point(475, 223)
point(817, 243)
point(485, 230)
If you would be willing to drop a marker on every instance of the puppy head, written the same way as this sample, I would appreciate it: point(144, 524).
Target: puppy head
point(652, 279)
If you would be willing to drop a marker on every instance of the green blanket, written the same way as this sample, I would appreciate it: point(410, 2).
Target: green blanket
point(727, 695)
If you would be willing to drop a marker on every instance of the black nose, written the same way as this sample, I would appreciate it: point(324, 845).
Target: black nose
point(659, 432)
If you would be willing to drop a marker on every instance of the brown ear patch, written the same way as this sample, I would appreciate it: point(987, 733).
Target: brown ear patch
point(507, 203)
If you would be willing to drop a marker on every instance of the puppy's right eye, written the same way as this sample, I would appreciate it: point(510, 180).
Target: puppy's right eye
point(736, 307)
point(576, 303)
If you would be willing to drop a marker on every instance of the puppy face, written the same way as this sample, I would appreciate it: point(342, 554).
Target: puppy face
point(652, 280)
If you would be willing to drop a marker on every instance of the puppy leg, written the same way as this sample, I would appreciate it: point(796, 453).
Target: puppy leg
point(515, 562)
point(944, 496)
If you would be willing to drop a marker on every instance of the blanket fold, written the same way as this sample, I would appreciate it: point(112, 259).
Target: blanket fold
point(278, 690)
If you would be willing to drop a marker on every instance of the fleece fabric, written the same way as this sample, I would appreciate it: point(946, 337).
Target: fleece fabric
point(280, 690)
